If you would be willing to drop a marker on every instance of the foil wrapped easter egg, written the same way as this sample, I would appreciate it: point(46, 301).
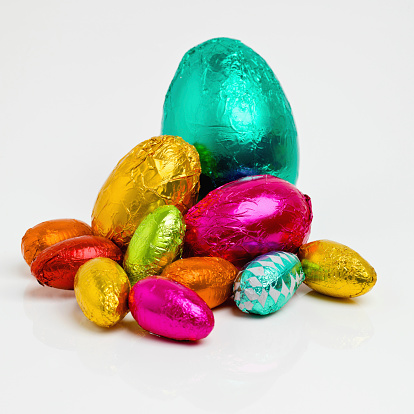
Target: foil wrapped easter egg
point(248, 217)
point(334, 269)
point(163, 170)
point(48, 233)
point(210, 277)
point(167, 308)
point(226, 101)
point(267, 283)
point(57, 265)
point(157, 241)
point(101, 289)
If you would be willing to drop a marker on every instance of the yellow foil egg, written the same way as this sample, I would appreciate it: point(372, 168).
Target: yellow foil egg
point(210, 277)
point(101, 290)
point(334, 269)
point(163, 170)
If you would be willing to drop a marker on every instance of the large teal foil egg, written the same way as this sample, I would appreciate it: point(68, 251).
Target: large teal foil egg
point(226, 101)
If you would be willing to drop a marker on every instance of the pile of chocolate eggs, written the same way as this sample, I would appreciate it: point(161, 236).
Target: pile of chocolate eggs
point(169, 251)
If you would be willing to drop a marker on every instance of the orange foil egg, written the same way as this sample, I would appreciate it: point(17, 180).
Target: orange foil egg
point(210, 277)
point(48, 233)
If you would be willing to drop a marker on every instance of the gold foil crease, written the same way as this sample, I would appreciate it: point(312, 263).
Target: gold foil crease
point(163, 170)
point(101, 289)
point(336, 270)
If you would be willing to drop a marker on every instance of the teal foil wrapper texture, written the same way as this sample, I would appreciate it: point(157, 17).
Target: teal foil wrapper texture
point(156, 243)
point(226, 101)
point(267, 283)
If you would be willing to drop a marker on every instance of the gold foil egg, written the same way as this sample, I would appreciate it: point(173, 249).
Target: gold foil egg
point(334, 269)
point(163, 170)
point(210, 277)
point(101, 289)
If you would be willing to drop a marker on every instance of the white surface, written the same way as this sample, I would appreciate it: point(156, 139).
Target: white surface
point(82, 82)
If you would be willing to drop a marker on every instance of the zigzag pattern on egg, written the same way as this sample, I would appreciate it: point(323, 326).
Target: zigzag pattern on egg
point(267, 283)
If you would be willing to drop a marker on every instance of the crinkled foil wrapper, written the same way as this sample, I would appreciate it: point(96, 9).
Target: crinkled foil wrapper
point(226, 101)
point(157, 241)
point(334, 269)
point(101, 289)
point(57, 265)
point(246, 218)
point(159, 171)
point(267, 283)
point(167, 308)
point(210, 277)
point(48, 233)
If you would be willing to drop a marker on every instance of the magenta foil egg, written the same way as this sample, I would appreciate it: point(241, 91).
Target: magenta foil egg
point(247, 218)
point(167, 308)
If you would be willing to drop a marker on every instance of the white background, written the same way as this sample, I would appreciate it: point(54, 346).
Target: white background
point(82, 82)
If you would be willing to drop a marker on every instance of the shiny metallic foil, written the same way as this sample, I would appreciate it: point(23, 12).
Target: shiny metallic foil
point(210, 277)
point(246, 218)
point(57, 265)
point(159, 171)
point(267, 283)
point(334, 269)
point(157, 241)
point(167, 308)
point(48, 233)
point(226, 101)
point(101, 289)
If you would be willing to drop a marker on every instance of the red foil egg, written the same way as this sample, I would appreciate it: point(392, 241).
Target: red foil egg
point(247, 218)
point(57, 265)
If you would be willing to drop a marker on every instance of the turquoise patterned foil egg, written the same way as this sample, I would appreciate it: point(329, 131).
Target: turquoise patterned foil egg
point(267, 283)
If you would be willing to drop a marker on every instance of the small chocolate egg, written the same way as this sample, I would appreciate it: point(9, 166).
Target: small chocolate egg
point(48, 233)
point(227, 102)
point(157, 241)
point(267, 283)
point(246, 218)
point(57, 265)
point(159, 171)
point(101, 289)
point(210, 277)
point(334, 269)
point(167, 308)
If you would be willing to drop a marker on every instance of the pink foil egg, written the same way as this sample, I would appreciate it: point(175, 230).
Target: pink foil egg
point(247, 218)
point(167, 308)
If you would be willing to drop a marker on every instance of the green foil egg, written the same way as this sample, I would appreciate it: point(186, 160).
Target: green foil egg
point(156, 243)
point(227, 102)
